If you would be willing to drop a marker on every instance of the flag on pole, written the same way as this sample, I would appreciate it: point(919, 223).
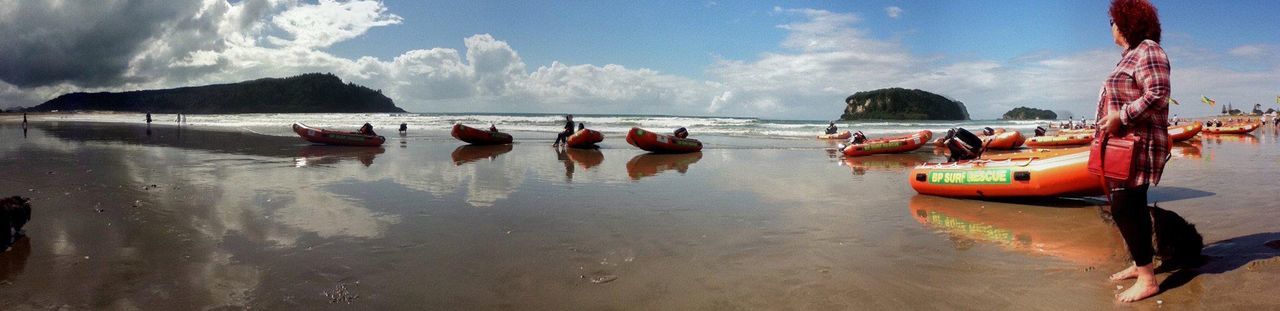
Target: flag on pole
point(1278, 99)
point(1205, 99)
point(1175, 101)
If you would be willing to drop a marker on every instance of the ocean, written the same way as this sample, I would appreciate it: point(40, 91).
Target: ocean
point(278, 124)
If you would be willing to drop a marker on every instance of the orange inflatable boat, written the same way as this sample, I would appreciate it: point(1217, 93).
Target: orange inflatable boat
point(660, 143)
point(1184, 132)
point(1060, 140)
point(1232, 129)
point(331, 137)
point(584, 138)
point(1046, 173)
point(477, 136)
point(840, 135)
point(1008, 140)
point(889, 144)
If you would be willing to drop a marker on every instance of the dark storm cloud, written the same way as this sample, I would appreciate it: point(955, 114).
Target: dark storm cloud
point(85, 43)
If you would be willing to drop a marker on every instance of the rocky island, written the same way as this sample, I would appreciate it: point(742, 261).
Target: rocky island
point(1027, 113)
point(902, 104)
point(307, 93)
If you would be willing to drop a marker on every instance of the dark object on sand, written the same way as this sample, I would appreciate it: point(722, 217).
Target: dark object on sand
point(962, 145)
point(404, 128)
point(1177, 242)
point(15, 211)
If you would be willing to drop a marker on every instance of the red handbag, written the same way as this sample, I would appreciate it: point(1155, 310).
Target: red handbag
point(1113, 157)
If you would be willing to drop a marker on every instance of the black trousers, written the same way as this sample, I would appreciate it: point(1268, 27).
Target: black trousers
point(563, 137)
point(1133, 218)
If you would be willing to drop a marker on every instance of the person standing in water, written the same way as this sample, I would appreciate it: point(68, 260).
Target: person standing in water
point(568, 130)
point(1134, 100)
point(24, 120)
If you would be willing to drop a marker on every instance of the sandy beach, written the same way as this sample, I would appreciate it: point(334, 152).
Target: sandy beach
point(174, 218)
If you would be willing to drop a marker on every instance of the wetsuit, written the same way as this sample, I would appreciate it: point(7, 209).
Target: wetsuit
point(832, 129)
point(564, 136)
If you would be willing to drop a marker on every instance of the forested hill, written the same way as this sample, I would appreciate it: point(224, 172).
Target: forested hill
point(307, 93)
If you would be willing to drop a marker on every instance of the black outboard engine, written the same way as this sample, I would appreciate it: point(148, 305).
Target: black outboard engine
point(962, 145)
point(988, 131)
point(1040, 131)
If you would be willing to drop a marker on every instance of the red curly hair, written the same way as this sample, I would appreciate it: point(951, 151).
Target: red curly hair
point(1137, 20)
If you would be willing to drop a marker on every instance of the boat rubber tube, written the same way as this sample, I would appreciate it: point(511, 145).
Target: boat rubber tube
point(1046, 173)
point(889, 144)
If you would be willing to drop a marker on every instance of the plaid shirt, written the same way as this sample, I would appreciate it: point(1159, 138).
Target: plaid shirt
point(1138, 89)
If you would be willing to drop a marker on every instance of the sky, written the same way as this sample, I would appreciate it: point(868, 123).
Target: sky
point(767, 59)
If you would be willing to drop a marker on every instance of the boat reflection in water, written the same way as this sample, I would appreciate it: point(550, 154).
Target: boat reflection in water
point(471, 153)
point(1229, 138)
point(651, 164)
point(1077, 235)
point(585, 157)
point(325, 155)
point(1189, 149)
point(887, 162)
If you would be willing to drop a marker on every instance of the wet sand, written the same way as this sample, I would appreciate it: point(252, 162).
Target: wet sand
point(194, 218)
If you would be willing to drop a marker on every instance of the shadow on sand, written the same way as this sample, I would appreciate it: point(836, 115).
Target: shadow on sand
point(1170, 194)
point(1228, 255)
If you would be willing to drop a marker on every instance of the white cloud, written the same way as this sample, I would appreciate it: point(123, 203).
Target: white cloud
point(893, 12)
point(1250, 50)
point(329, 22)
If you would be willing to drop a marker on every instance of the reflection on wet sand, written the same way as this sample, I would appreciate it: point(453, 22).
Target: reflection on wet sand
point(1077, 235)
point(471, 153)
point(585, 157)
point(886, 162)
point(1187, 149)
point(324, 155)
point(14, 260)
point(1229, 138)
point(650, 164)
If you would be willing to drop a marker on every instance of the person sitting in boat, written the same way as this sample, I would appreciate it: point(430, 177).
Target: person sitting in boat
point(682, 132)
point(493, 128)
point(367, 129)
point(582, 126)
point(568, 130)
point(857, 138)
point(831, 128)
point(1040, 131)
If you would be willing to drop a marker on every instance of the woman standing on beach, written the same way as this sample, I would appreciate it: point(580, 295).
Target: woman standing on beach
point(1133, 101)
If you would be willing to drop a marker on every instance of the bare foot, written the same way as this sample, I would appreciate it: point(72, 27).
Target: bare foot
point(1139, 291)
point(1127, 273)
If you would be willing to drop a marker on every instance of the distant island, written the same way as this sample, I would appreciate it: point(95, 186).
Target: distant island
point(307, 93)
point(902, 104)
point(1026, 113)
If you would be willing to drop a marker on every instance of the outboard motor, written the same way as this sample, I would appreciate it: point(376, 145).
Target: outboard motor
point(1040, 131)
point(962, 145)
point(858, 138)
point(988, 131)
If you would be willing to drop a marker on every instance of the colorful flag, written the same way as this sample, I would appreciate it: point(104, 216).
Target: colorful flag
point(1205, 99)
point(1174, 101)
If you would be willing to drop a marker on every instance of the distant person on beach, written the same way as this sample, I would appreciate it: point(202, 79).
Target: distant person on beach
point(568, 130)
point(1135, 101)
point(831, 128)
point(24, 120)
point(148, 118)
point(682, 132)
point(367, 129)
point(404, 128)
